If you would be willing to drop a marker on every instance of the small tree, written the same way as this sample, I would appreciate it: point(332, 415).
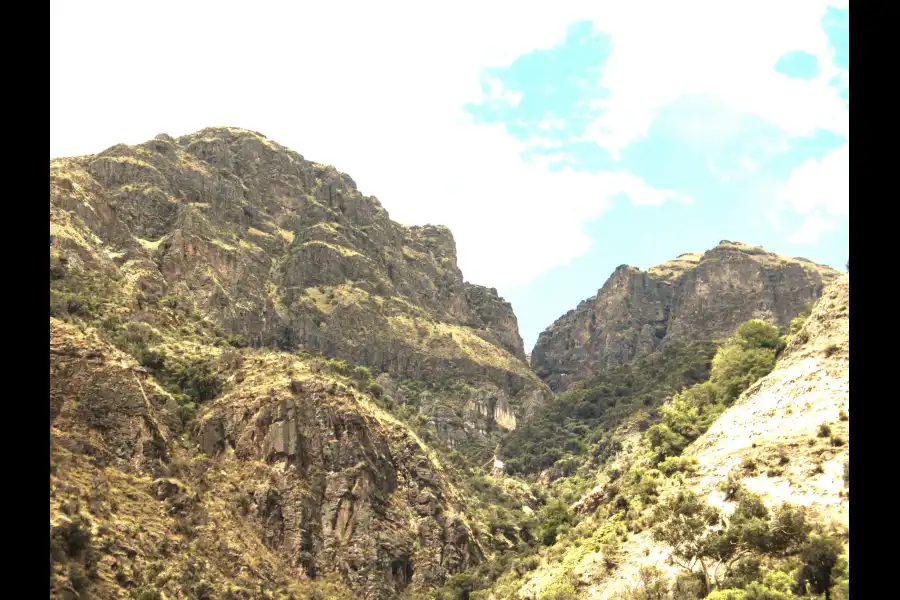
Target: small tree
point(686, 524)
point(703, 541)
point(819, 556)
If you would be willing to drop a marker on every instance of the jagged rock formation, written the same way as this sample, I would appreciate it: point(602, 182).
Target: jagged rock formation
point(267, 470)
point(694, 297)
point(288, 253)
point(295, 478)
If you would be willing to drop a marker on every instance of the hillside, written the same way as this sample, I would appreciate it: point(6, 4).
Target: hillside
point(691, 298)
point(287, 253)
point(262, 387)
point(783, 442)
point(257, 378)
point(285, 453)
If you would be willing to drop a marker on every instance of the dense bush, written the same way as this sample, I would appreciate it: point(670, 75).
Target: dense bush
point(747, 356)
point(678, 464)
point(820, 556)
point(553, 519)
point(797, 322)
point(578, 423)
point(69, 539)
point(197, 379)
point(146, 592)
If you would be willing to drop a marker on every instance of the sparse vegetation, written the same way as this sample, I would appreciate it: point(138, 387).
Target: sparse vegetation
point(273, 448)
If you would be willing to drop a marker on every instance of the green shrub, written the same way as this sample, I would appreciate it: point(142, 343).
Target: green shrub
point(146, 592)
point(678, 464)
point(57, 268)
point(840, 575)
point(733, 487)
point(736, 368)
point(526, 564)
point(748, 355)
point(559, 591)
point(790, 530)
point(578, 424)
point(237, 341)
point(553, 518)
point(729, 594)
point(819, 557)
point(797, 322)
point(187, 412)
point(71, 537)
point(196, 380)
point(152, 360)
point(666, 442)
point(361, 373)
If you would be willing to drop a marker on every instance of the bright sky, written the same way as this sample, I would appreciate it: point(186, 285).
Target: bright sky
point(557, 142)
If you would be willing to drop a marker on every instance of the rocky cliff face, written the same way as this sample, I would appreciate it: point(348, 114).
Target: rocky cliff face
point(694, 297)
point(293, 479)
point(289, 254)
point(235, 331)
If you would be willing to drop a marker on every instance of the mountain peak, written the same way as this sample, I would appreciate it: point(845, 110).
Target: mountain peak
point(696, 296)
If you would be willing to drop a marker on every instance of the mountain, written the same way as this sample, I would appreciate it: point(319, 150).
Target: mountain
point(771, 470)
point(694, 297)
point(287, 253)
point(262, 387)
point(251, 368)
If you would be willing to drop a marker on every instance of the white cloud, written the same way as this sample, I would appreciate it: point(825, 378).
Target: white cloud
point(498, 95)
point(377, 89)
point(812, 229)
point(723, 49)
point(548, 124)
point(820, 192)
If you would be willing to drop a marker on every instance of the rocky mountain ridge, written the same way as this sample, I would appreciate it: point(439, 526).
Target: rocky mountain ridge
point(235, 331)
point(262, 387)
point(288, 253)
point(772, 438)
point(693, 297)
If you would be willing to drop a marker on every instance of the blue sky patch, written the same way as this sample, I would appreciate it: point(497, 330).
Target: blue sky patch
point(799, 65)
point(836, 24)
point(556, 87)
point(730, 163)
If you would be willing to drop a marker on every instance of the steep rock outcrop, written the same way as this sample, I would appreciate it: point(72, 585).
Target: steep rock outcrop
point(264, 471)
point(104, 406)
point(694, 297)
point(286, 253)
point(775, 426)
point(294, 479)
point(350, 491)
